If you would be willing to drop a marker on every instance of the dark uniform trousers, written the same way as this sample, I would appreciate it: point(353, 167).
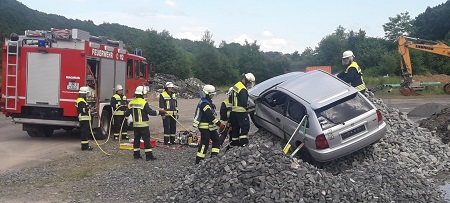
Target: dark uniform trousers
point(205, 136)
point(240, 125)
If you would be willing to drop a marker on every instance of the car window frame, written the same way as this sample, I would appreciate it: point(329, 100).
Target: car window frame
point(279, 107)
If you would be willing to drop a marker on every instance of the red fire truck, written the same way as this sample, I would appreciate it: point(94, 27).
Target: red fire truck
point(43, 71)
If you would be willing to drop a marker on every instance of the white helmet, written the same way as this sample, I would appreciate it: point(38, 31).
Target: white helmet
point(140, 90)
point(209, 89)
point(119, 87)
point(250, 77)
point(84, 90)
point(169, 84)
point(229, 91)
point(347, 54)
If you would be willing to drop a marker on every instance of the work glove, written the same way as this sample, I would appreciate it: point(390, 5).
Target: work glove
point(221, 127)
point(162, 112)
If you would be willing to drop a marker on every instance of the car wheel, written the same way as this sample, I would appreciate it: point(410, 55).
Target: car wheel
point(32, 133)
point(304, 155)
point(252, 116)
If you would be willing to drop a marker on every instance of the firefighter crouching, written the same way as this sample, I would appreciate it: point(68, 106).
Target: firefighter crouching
point(225, 110)
point(207, 124)
point(140, 110)
point(168, 102)
point(119, 105)
point(240, 124)
point(84, 117)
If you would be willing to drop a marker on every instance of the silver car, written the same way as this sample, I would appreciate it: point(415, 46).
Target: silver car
point(330, 117)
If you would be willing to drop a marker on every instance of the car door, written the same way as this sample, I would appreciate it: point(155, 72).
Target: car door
point(295, 112)
point(270, 112)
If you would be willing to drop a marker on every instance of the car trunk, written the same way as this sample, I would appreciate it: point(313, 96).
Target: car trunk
point(347, 119)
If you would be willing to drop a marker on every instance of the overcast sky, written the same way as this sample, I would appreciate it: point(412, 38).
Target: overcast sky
point(285, 26)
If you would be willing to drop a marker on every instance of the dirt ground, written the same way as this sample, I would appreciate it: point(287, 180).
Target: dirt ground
point(432, 78)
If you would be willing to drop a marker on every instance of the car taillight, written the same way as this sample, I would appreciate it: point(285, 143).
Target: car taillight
point(380, 117)
point(321, 142)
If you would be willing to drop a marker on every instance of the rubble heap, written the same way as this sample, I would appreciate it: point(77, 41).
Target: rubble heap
point(395, 169)
point(187, 89)
point(439, 123)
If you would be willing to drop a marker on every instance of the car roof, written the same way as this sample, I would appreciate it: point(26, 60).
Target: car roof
point(318, 88)
point(259, 88)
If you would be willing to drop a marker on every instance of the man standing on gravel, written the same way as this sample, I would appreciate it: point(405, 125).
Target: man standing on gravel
point(240, 124)
point(225, 110)
point(84, 117)
point(168, 102)
point(206, 122)
point(119, 104)
point(140, 110)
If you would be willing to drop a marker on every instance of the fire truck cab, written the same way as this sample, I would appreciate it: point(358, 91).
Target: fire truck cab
point(43, 71)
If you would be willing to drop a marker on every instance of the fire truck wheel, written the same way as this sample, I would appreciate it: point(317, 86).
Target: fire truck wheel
point(103, 130)
point(45, 131)
point(32, 133)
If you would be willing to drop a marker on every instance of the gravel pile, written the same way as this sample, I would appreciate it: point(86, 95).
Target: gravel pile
point(187, 89)
point(439, 123)
point(398, 168)
point(426, 110)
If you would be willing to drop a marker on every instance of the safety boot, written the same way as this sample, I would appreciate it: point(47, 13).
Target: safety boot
point(137, 155)
point(166, 140)
point(88, 148)
point(197, 160)
point(149, 156)
point(172, 140)
point(243, 142)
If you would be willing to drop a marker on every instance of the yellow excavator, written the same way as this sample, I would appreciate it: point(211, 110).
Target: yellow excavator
point(406, 43)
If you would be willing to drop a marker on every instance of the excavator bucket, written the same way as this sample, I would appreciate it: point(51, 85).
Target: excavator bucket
point(408, 91)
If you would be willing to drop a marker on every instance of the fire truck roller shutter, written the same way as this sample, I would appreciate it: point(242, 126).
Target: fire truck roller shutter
point(106, 86)
point(43, 78)
point(121, 71)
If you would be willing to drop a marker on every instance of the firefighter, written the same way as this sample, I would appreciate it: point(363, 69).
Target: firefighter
point(205, 120)
point(240, 124)
point(225, 110)
point(168, 102)
point(84, 117)
point(352, 74)
point(119, 105)
point(140, 110)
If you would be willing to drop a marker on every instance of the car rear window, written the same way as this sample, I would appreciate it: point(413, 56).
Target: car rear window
point(342, 110)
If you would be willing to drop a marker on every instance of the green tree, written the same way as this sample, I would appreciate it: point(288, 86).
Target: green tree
point(401, 24)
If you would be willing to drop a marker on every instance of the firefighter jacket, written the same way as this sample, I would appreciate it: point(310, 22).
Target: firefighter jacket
point(353, 76)
point(168, 102)
point(119, 104)
point(205, 115)
point(140, 110)
point(239, 98)
point(82, 109)
point(225, 109)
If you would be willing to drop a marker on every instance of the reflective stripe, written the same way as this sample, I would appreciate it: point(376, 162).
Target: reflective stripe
point(140, 124)
point(173, 113)
point(83, 118)
point(201, 155)
point(234, 138)
point(166, 135)
point(215, 121)
point(85, 142)
point(147, 150)
point(242, 136)
point(207, 126)
point(361, 87)
point(206, 108)
point(215, 150)
point(136, 149)
point(119, 113)
point(172, 135)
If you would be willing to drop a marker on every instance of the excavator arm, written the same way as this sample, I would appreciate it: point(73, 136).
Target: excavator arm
point(406, 43)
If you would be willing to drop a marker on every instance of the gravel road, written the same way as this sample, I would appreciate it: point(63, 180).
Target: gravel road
point(70, 175)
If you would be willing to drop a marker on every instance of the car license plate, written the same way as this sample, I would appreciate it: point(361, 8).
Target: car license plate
point(73, 86)
point(353, 131)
